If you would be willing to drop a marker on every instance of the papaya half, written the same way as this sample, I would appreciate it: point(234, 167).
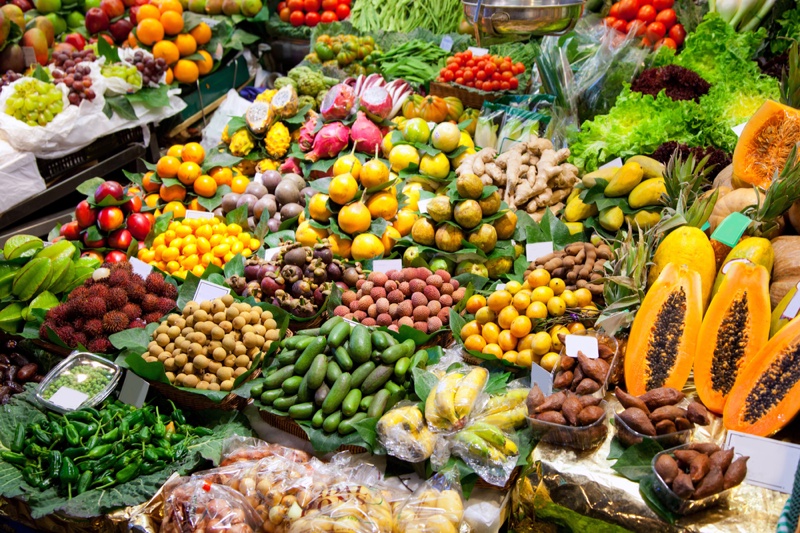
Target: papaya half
point(663, 339)
point(687, 246)
point(766, 394)
point(735, 328)
point(756, 249)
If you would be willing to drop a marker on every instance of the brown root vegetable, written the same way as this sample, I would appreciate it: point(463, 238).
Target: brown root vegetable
point(605, 351)
point(590, 415)
point(665, 427)
point(710, 484)
point(563, 380)
point(660, 397)
point(567, 362)
point(552, 402)
point(629, 400)
point(597, 369)
point(667, 468)
point(587, 401)
point(554, 417)
point(534, 399)
point(587, 386)
point(682, 485)
point(699, 467)
point(707, 448)
point(697, 413)
point(721, 459)
point(570, 409)
point(637, 420)
point(735, 473)
point(667, 412)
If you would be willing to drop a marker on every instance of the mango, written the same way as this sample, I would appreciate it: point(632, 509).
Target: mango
point(647, 193)
point(590, 179)
point(574, 227)
point(576, 210)
point(625, 180)
point(756, 249)
point(651, 168)
point(612, 218)
point(644, 219)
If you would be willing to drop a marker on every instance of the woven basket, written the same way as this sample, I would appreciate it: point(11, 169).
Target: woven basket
point(284, 423)
point(192, 400)
point(470, 98)
point(297, 326)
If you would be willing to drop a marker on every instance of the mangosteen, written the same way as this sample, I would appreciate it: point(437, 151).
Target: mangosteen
point(291, 273)
point(291, 210)
point(271, 179)
point(269, 285)
point(252, 289)
point(307, 193)
point(274, 225)
point(251, 271)
point(350, 277)
point(342, 285)
point(324, 252)
point(319, 297)
point(302, 288)
point(297, 257)
point(334, 271)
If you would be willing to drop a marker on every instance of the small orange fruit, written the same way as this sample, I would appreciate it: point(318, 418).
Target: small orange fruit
point(490, 332)
point(511, 356)
point(404, 221)
point(524, 358)
point(583, 296)
point(382, 205)
point(521, 326)
point(343, 188)
point(493, 349)
point(167, 166)
point(239, 183)
point(507, 316)
point(186, 71)
point(354, 218)
point(177, 209)
point(168, 51)
point(173, 192)
point(538, 278)
point(148, 184)
point(172, 22)
point(205, 186)
point(186, 44)
point(170, 77)
point(475, 342)
point(222, 175)
point(576, 327)
point(475, 302)
point(201, 33)
point(340, 247)
point(485, 315)
point(131, 41)
point(521, 301)
point(558, 285)
point(536, 310)
point(188, 172)
point(175, 149)
point(170, 5)
point(193, 152)
point(390, 236)
point(151, 200)
point(569, 298)
point(541, 343)
point(148, 11)
point(318, 207)
point(526, 342)
point(366, 246)
point(542, 294)
point(206, 64)
point(149, 31)
point(469, 329)
point(506, 341)
point(194, 205)
point(498, 300)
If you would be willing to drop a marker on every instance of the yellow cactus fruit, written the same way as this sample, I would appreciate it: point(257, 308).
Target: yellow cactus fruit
point(278, 140)
point(267, 164)
point(226, 138)
point(241, 143)
point(266, 96)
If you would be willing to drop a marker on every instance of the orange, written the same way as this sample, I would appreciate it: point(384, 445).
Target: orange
point(175, 149)
point(167, 166)
point(354, 218)
point(194, 205)
point(366, 246)
point(485, 315)
point(524, 358)
point(186, 71)
point(188, 172)
point(557, 285)
point(151, 200)
point(521, 326)
point(493, 349)
point(239, 183)
point(382, 205)
point(556, 306)
point(506, 341)
point(569, 298)
point(475, 302)
point(172, 22)
point(506, 317)
point(469, 329)
point(170, 5)
point(132, 41)
point(538, 278)
point(498, 300)
point(149, 31)
point(148, 11)
point(186, 44)
point(174, 192)
point(390, 236)
point(542, 294)
point(340, 247)
point(490, 332)
point(222, 175)
point(206, 64)
point(308, 235)
point(343, 188)
point(475, 342)
point(148, 185)
point(201, 33)
point(170, 76)
point(511, 356)
point(583, 297)
point(536, 310)
point(176, 208)
point(169, 52)
point(205, 186)
point(576, 327)
point(193, 152)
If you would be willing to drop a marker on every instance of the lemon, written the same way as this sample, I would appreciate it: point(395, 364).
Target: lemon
point(437, 166)
point(466, 140)
point(416, 130)
point(402, 156)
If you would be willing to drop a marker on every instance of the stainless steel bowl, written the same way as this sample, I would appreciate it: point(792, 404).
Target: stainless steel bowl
point(524, 17)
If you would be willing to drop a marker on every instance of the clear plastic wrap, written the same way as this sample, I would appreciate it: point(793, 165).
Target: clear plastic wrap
point(198, 505)
point(488, 450)
point(452, 400)
point(348, 507)
point(436, 505)
point(507, 411)
point(403, 433)
point(488, 126)
point(519, 126)
point(239, 448)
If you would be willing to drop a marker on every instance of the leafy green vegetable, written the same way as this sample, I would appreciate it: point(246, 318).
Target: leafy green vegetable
point(789, 29)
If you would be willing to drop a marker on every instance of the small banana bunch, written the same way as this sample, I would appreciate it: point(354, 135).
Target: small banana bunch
point(487, 443)
point(506, 411)
point(451, 402)
point(404, 434)
point(432, 511)
point(348, 507)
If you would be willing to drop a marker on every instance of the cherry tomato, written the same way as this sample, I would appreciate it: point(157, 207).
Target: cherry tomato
point(459, 73)
point(342, 11)
point(646, 42)
point(471, 63)
point(507, 75)
point(495, 85)
point(519, 68)
point(636, 28)
point(504, 85)
point(620, 25)
point(667, 18)
point(490, 68)
point(469, 76)
point(312, 19)
point(295, 5)
point(297, 18)
point(661, 5)
point(479, 85)
point(513, 83)
point(497, 76)
point(480, 75)
point(614, 11)
point(449, 76)
point(647, 14)
point(280, 7)
point(328, 17)
point(628, 9)
point(329, 5)
point(677, 34)
point(285, 13)
point(460, 81)
point(645, 3)
point(348, 3)
point(311, 6)
point(610, 21)
point(655, 31)
point(666, 41)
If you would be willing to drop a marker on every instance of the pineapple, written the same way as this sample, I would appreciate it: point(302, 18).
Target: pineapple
point(278, 140)
point(790, 82)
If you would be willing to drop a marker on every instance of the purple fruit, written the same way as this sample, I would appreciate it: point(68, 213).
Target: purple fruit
point(251, 272)
point(269, 286)
point(334, 271)
point(302, 288)
point(324, 253)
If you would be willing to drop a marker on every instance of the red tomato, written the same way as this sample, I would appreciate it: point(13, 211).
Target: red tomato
point(329, 5)
point(460, 81)
point(449, 76)
point(646, 42)
point(497, 76)
point(628, 9)
point(507, 75)
point(666, 41)
point(661, 5)
point(636, 28)
point(469, 76)
point(297, 18)
point(646, 14)
point(480, 75)
point(513, 83)
point(328, 17)
point(667, 18)
point(311, 6)
point(471, 63)
point(459, 73)
point(280, 7)
point(609, 21)
point(620, 25)
point(295, 5)
point(677, 34)
point(342, 11)
point(655, 31)
point(519, 68)
point(312, 19)
point(614, 11)
point(285, 13)
point(506, 66)
point(479, 85)
point(504, 85)
point(495, 85)
point(645, 3)
point(490, 68)
point(348, 3)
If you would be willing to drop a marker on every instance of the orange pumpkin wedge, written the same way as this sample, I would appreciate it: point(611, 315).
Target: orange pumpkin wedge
point(766, 395)
point(664, 334)
point(735, 328)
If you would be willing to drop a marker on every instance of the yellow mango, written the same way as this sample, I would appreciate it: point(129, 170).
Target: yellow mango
point(576, 210)
point(612, 218)
point(650, 167)
point(590, 179)
point(644, 219)
point(647, 193)
point(624, 181)
point(574, 227)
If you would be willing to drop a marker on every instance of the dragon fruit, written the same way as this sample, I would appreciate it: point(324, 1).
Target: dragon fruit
point(338, 103)
point(331, 139)
point(291, 165)
point(306, 138)
point(365, 134)
point(377, 103)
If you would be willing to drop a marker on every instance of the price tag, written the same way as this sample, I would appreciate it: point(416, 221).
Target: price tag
point(731, 229)
point(772, 463)
point(501, 286)
point(270, 253)
point(535, 250)
point(613, 163)
point(543, 378)
point(28, 55)
point(207, 291)
point(478, 52)
point(727, 265)
point(422, 205)
point(134, 390)
point(447, 43)
point(385, 265)
point(582, 343)
point(738, 129)
point(140, 267)
point(198, 214)
point(793, 307)
point(705, 226)
point(69, 398)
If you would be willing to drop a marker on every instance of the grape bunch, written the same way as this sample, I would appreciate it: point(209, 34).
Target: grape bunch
point(152, 69)
point(124, 71)
point(34, 102)
point(65, 60)
point(77, 80)
point(9, 77)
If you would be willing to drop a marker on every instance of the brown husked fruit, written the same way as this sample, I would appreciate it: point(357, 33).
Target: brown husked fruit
point(570, 409)
point(682, 485)
point(587, 401)
point(563, 380)
point(665, 427)
point(721, 459)
point(587, 386)
point(685, 457)
point(699, 467)
point(667, 468)
point(554, 417)
point(711, 483)
point(637, 420)
point(567, 362)
point(697, 413)
point(660, 397)
point(735, 473)
point(552, 402)
point(667, 412)
point(682, 424)
point(707, 448)
point(629, 400)
point(534, 399)
point(597, 369)
point(590, 415)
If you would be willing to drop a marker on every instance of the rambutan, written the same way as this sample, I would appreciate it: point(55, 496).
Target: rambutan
point(115, 321)
point(138, 323)
point(121, 265)
point(67, 335)
point(57, 313)
point(78, 323)
point(136, 291)
point(132, 311)
point(150, 303)
point(93, 328)
point(80, 339)
point(169, 291)
point(154, 283)
point(165, 305)
point(117, 297)
point(80, 292)
point(99, 290)
point(153, 317)
point(119, 277)
point(43, 329)
point(92, 307)
point(99, 345)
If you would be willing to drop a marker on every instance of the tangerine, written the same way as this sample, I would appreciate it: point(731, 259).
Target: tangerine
point(172, 22)
point(239, 183)
point(366, 246)
point(355, 218)
point(542, 343)
point(148, 11)
point(542, 294)
point(205, 186)
point(521, 301)
point(485, 315)
point(558, 285)
point(205, 66)
point(193, 152)
point(471, 328)
point(556, 306)
point(490, 332)
point(188, 172)
point(499, 300)
point(175, 149)
point(389, 238)
point(583, 297)
point(493, 349)
point(149, 31)
point(343, 188)
point(569, 298)
point(201, 33)
point(475, 302)
point(167, 166)
point(170, 5)
point(177, 209)
point(186, 71)
point(151, 200)
point(222, 175)
point(148, 184)
point(167, 51)
point(172, 193)
point(475, 342)
point(170, 77)
point(186, 44)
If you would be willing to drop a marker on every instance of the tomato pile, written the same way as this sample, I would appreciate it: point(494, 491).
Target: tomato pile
point(487, 72)
point(312, 12)
point(653, 20)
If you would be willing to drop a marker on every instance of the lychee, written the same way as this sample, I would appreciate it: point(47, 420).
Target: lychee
point(377, 292)
point(359, 315)
point(348, 297)
point(434, 323)
point(384, 319)
point(434, 280)
point(354, 305)
point(397, 275)
point(434, 306)
point(421, 314)
point(446, 288)
point(459, 294)
point(423, 273)
point(365, 302)
point(406, 321)
point(394, 327)
point(422, 326)
point(431, 292)
point(390, 286)
point(396, 297)
point(341, 310)
point(446, 300)
point(367, 287)
point(372, 311)
point(418, 299)
point(360, 282)
point(393, 310)
point(405, 288)
point(405, 308)
point(417, 285)
point(383, 305)
point(444, 274)
point(348, 316)
point(369, 321)
point(454, 282)
point(378, 278)
point(444, 315)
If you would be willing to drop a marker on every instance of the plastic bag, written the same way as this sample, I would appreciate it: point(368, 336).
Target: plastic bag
point(489, 122)
point(436, 505)
point(488, 450)
point(238, 448)
point(507, 411)
point(404, 434)
point(348, 507)
point(198, 505)
point(519, 126)
point(450, 403)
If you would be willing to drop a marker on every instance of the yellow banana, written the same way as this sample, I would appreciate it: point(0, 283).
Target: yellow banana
point(508, 420)
point(506, 401)
point(468, 390)
point(490, 434)
point(446, 397)
point(432, 415)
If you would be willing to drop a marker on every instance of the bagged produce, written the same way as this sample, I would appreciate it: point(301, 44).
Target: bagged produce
point(404, 434)
point(435, 506)
point(451, 401)
point(201, 506)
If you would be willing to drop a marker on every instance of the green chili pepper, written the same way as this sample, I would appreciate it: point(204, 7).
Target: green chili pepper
point(56, 432)
point(18, 444)
point(99, 451)
point(177, 414)
point(40, 435)
point(104, 481)
point(73, 439)
point(83, 466)
point(31, 476)
point(72, 453)
point(159, 429)
point(93, 441)
point(80, 427)
point(34, 450)
point(175, 437)
point(154, 467)
point(119, 448)
point(134, 418)
point(164, 453)
point(124, 460)
point(91, 429)
point(129, 472)
point(180, 450)
point(82, 415)
point(124, 426)
point(162, 443)
point(55, 464)
point(68, 473)
point(105, 463)
point(111, 436)
point(150, 454)
point(84, 481)
point(13, 458)
point(202, 432)
point(144, 435)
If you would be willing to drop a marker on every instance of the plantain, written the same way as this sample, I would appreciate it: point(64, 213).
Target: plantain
point(508, 420)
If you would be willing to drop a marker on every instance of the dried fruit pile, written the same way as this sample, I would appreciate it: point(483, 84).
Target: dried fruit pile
point(112, 300)
point(656, 413)
point(700, 470)
point(15, 370)
point(414, 297)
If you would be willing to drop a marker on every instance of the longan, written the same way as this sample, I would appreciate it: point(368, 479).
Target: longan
point(201, 315)
point(154, 349)
point(170, 376)
point(214, 366)
point(231, 313)
point(150, 359)
point(169, 364)
point(163, 356)
point(230, 360)
point(202, 385)
point(255, 318)
point(229, 343)
point(224, 373)
point(162, 339)
point(190, 307)
point(196, 349)
point(180, 377)
point(200, 362)
point(248, 329)
point(181, 359)
point(250, 339)
point(217, 333)
point(239, 371)
point(219, 317)
point(227, 300)
point(226, 326)
point(191, 381)
point(213, 386)
point(170, 347)
point(226, 385)
point(239, 322)
point(272, 335)
point(172, 319)
point(219, 354)
point(160, 329)
point(242, 360)
point(269, 323)
point(207, 305)
point(173, 332)
point(188, 368)
point(189, 321)
point(217, 305)
point(240, 349)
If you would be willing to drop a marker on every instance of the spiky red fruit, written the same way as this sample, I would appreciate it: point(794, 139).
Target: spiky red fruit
point(117, 297)
point(154, 283)
point(132, 311)
point(153, 317)
point(119, 277)
point(165, 305)
point(114, 322)
point(169, 291)
point(93, 327)
point(99, 345)
point(150, 303)
point(93, 307)
point(79, 293)
point(136, 291)
point(138, 323)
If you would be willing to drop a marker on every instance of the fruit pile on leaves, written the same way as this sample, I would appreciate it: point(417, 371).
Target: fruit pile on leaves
point(656, 22)
point(270, 195)
point(413, 297)
point(298, 279)
point(349, 52)
point(112, 300)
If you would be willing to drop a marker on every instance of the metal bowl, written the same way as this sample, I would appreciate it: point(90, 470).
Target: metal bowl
point(523, 17)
